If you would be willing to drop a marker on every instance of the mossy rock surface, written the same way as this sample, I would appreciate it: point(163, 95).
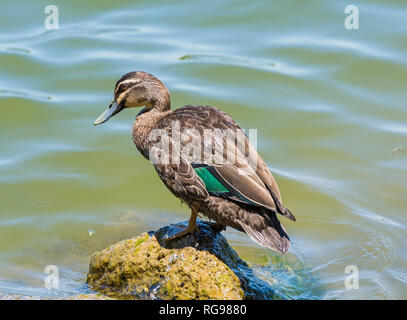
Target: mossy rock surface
point(196, 266)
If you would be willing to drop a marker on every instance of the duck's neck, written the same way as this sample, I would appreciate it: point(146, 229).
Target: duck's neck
point(159, 100)
point(146, 121)
point(161, 105)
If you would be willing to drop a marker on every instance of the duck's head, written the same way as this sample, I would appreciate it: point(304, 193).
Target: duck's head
point(137, 89)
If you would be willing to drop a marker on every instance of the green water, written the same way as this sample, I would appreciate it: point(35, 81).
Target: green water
point(329, 105)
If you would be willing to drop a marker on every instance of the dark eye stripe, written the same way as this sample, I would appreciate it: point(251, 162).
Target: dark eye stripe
point(122, 87)
point(123, 100)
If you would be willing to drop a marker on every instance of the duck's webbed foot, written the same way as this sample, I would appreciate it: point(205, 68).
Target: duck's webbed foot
point(192, 226)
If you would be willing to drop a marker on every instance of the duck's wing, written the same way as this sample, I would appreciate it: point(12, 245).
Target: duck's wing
point(264, 173)
point(228, 181)
point(221, 155)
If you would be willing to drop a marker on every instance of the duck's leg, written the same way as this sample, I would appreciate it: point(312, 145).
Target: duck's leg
point(192, 226)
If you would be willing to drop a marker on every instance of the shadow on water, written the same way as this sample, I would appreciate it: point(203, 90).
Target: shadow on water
point(290, 277)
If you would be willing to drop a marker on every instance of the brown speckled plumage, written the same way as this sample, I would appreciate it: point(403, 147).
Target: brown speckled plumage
point(256, 217)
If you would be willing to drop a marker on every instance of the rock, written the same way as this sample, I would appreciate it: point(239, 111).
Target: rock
point(197, 266)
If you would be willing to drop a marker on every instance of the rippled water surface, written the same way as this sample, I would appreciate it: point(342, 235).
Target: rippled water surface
point(329, 105)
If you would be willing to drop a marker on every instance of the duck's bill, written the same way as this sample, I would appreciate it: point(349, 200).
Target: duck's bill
point(109, 112)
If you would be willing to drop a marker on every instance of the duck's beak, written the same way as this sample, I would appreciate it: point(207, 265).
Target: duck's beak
point(109, 112)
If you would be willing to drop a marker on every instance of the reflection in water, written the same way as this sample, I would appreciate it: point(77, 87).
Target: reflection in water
point(328, 103)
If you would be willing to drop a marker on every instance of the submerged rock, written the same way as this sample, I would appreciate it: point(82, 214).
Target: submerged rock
point(197, 266)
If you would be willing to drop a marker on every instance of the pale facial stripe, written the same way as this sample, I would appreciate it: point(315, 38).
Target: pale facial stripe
point(130, 81)
point(120, 98)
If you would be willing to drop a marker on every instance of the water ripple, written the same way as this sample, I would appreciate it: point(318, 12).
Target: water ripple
point(26, 94)
point(263, 64)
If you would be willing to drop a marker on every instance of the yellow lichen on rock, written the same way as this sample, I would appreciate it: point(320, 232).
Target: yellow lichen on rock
point(142, 267)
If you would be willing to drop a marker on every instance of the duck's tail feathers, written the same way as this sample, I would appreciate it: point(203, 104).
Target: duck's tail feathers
point(271, 235)
point(287, 213)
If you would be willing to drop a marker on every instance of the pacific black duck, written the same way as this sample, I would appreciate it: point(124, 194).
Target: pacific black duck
point(241, 193)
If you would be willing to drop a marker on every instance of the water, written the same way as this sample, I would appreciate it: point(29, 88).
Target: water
point(329, 105)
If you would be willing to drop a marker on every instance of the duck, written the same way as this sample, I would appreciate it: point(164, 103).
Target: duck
point(205, 159)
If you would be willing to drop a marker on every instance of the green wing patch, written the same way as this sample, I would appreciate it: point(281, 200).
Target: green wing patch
point(217, 186)
point(211, 183)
